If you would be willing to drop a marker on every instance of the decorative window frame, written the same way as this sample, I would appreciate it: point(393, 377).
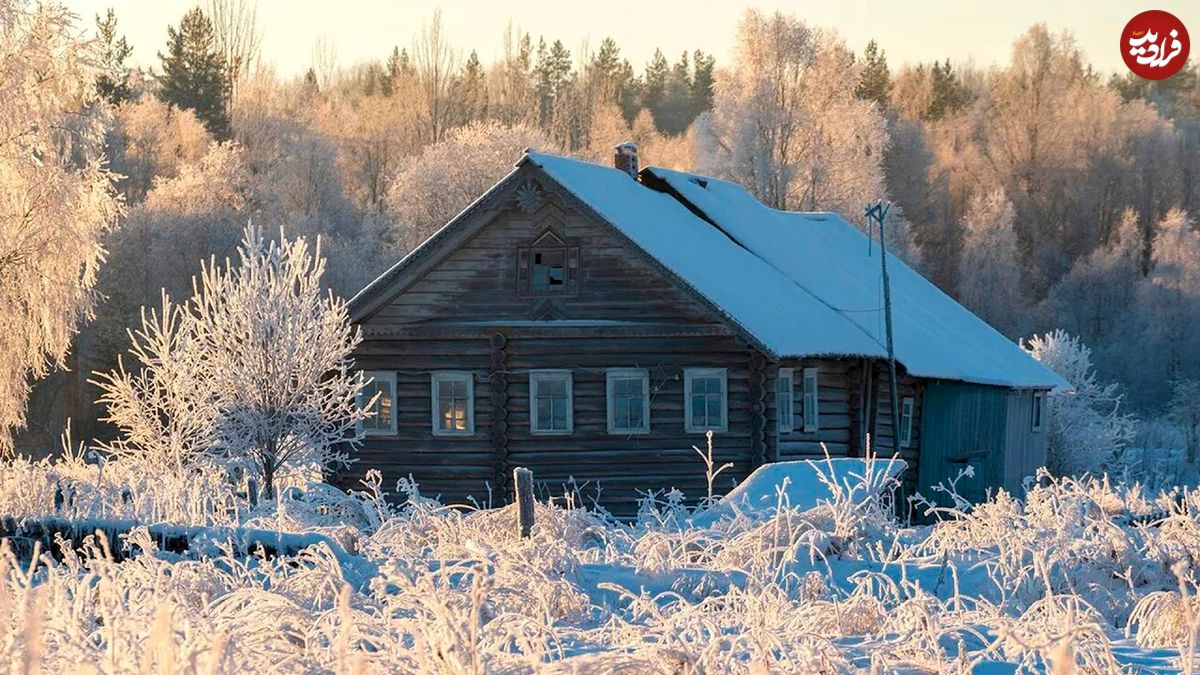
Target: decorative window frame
point(379, 376)
point(535, 379)
point(548, 238)
point(1037, 415)
point(690, 374)
point(613, 374)
point(785, 400)
point(435, 380)
point(812, 400)
point(905, 430)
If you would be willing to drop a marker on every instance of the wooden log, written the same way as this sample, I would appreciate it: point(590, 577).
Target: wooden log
point(523, 482)
point(499, 383)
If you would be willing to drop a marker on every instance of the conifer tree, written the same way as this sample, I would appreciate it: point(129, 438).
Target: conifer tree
point(949, 93)
point(469, 90)
point(875, 81)
point(553, 77)
point(703, 66)
point(113, 82)
point(194, 72)
point(675, 113)
point(655, 86)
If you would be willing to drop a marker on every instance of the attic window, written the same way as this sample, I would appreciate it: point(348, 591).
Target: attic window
point(548, 265)
point(549, 271)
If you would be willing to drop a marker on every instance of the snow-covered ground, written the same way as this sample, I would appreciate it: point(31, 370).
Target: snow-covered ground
point(803, 569)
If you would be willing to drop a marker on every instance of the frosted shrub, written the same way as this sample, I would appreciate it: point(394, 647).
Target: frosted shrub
point(1087, 428)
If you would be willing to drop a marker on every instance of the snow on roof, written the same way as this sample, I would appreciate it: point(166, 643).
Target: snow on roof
point(801, 284)
point(767, 304)
point(934, 336)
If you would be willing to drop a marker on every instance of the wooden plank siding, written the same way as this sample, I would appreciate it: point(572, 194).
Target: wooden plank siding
point(626, 314)
point(835, 382)
point(1025, 448)
point(883, 434)
point(964, 425)
point(465, 304)
point(458, 468)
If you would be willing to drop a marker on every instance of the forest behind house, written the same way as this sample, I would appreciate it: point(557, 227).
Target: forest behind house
point(1041, 193)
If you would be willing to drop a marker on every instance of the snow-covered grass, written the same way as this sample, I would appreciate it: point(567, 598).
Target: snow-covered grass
point(1087, 572)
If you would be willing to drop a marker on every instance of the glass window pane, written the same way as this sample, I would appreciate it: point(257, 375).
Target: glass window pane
point(549, 270)
point(698, 410)
point(714, 410)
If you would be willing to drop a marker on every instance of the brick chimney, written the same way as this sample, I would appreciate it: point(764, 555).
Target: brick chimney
point(625, 158)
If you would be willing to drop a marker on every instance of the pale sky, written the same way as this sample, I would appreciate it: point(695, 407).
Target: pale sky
point(908, 31)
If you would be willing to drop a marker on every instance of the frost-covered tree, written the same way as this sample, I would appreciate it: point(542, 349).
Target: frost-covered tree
point(1184, 410)
point(277, 352)
point(193, 216)
point(56, 196)
point(113, 81)
point(1169, 305)
point(162, 407)
point(444, 179)
point(153, 141)
point(786, 122)
point(989, 277)
point(1086, 425)
point(253, 371)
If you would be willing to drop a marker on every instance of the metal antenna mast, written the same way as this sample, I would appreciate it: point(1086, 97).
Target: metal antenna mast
point(877, 212)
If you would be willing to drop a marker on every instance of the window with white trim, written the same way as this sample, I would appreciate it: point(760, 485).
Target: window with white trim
point(812, 401)
point(906, 422)
point(628, 393)
point(383, 411)
point(705, 400)
point(785, 404)
point(1039, 399)
point(550, 402)
point(452, 398)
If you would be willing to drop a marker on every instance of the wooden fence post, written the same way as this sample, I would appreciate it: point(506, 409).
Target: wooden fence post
point(523, 482)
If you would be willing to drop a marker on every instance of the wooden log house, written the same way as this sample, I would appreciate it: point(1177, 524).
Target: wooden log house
point(592, 323)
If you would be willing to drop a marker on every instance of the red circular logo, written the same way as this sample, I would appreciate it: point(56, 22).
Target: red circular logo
point(1154, 44)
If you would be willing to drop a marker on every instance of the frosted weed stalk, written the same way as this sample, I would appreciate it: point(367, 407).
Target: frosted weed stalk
point(1042, 582)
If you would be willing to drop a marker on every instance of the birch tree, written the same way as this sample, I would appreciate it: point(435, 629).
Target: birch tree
point(444, 179)
point(162, 404)
point(786, 122)
point(277, 352)
point(56, 201)
point(989, 278)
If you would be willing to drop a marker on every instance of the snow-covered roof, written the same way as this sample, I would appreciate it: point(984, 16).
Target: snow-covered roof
point(802, 284)
point(763, 301)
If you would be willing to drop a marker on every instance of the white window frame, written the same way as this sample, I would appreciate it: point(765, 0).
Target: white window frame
point(690, 374)
point(435, 417)
point(372, 376)
point(1037, 416)
point(812, 400)
point(611, 376)
point(907, 407)
point(785, 391)
point(535, 379)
